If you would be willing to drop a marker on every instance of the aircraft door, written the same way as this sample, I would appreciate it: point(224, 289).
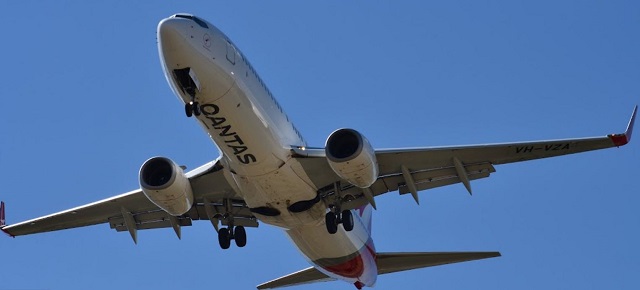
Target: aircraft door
point(231, 53)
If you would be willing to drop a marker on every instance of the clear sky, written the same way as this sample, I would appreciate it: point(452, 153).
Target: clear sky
point(85, 103)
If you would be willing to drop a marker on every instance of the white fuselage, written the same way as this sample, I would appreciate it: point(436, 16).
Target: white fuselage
point(255, 138)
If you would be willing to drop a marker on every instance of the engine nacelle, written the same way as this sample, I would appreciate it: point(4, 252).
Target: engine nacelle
point(165, 184)
point(351, 157)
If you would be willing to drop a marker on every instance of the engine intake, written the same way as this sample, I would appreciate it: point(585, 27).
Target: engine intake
point(351, 157)
point(164, 183)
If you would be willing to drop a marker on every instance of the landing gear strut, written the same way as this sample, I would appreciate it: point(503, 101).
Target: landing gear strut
point(231, 232)
point(225, 235)
point(192, 108)
point(189, 84)
point(335, 216)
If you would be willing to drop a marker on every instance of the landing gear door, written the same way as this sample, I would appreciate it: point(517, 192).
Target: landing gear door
point(231, 53)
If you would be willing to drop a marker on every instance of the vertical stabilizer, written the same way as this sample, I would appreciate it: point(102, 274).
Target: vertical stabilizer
point(365, 212)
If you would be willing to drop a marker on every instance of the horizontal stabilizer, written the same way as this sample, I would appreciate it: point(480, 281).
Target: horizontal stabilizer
point(395, 262)
point(387, 263)
point(308, 275)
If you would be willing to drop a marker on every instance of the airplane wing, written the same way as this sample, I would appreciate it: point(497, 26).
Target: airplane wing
point(133, 211)
point(415, 169)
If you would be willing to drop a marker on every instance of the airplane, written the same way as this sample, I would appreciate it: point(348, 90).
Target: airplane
point(322, 197)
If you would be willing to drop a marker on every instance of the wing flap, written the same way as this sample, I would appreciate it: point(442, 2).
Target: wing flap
point(438, 177)
point(148, 220)
point(396, 262)
point(160, 219)
point(424, 179)
point(306, 276)
point(442, 182)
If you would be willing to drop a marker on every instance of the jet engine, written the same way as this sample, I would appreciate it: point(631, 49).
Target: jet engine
point(165, 184)
point(351, 157)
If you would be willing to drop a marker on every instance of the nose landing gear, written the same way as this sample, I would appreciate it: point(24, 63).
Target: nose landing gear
point(189, 84)
point(192, 108)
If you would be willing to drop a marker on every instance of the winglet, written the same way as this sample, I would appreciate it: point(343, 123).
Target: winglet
point(624, 138)
point(3, 221)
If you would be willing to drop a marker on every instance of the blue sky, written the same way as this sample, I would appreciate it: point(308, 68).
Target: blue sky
point(85, 103)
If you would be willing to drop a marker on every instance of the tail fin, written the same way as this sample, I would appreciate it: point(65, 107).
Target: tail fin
point(365, 212)
point(3, 222)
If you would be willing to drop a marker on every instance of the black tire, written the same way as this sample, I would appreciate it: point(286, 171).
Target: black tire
point(240, 235)
point(224, 239)
point(332, 223)
point(347, 220)
point(196, 108)
point(188, 109)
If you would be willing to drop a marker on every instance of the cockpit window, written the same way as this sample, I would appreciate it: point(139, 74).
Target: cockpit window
point(196, 19)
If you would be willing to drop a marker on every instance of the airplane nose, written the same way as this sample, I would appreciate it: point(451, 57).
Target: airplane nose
point(184, 45)
point(171, 30)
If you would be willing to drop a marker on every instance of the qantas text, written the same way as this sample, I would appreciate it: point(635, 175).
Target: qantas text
point(231, 138)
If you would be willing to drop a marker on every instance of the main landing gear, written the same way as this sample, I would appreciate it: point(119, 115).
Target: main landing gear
point(335, 216)
point(332, 219)
point(225, 235)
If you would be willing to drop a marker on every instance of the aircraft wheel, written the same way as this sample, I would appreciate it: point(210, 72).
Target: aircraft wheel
point(224, 239)
point(240, 235)
point(332, 222)
point(188, 109)
point(347, 220)
point(196, 108)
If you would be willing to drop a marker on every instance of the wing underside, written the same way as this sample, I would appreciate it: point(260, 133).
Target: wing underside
point(132, 211)
point(415, 169)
